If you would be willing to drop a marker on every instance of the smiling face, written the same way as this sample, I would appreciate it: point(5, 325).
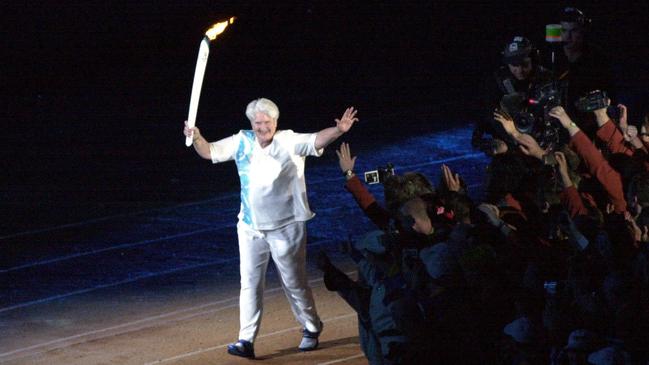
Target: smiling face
point(264, 128)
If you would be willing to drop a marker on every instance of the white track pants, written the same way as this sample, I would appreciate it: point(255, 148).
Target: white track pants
point(287, 246)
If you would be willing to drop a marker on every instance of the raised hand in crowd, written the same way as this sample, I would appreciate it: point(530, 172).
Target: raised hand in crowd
point(563, 169)
point(451, 180)
point(630, 132)
point(601, 115)
point(527, 143)
point(623, 123)
point(633, 227)
point(644, 132)
point(631, 135)
point(560, 114)
point(345, 159)
point(507, 122)
point(530, 146)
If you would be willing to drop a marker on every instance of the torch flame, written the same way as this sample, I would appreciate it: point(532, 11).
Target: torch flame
point(218, 28)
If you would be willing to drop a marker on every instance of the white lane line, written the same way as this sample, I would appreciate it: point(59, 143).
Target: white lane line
point(342, 360)
point(130, 280)
point(139, 324)
point(208, 349)
point(111, 248)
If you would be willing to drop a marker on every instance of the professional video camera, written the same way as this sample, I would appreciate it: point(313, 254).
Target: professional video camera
point(594, 100)
point(379, 175)
point(530, 113)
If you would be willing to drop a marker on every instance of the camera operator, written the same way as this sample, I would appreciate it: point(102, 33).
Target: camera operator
point(512, 84)
point(583, 66)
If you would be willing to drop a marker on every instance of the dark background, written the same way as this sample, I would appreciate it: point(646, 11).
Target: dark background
point(95, 93)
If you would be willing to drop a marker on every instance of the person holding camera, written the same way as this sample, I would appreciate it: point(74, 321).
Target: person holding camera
point(597, 165)
point(386, 313)
point(274, 211)
point(509, 89)
point(582, 66)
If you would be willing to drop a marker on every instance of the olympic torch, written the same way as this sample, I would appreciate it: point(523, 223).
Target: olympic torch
point(201, 62)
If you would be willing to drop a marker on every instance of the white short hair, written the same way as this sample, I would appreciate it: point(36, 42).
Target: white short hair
point(262, 105)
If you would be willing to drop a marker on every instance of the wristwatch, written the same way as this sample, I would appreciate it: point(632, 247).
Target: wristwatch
point(348, 173)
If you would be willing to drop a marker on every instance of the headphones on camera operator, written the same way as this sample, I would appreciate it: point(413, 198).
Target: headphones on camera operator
point(514, 53)
point(529, 107)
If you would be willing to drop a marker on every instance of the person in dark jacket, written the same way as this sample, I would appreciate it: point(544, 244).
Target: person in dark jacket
point(582, 66)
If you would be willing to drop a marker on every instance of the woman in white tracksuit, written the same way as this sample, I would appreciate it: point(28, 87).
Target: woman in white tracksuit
point(274, 211)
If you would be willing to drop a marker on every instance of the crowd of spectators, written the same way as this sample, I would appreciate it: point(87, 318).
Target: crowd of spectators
point(550, 267)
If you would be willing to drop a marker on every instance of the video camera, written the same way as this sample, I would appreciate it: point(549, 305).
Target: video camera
point(379, 175)
point(530, 113)
point(594, 100)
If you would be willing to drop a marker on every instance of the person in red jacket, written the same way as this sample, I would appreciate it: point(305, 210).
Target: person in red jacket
point(593, 158)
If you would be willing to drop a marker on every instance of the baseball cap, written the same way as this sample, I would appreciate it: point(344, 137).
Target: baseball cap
point(517, 50)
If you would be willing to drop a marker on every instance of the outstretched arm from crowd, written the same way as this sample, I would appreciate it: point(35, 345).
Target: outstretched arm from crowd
point(527, 144)
point(507, 122)
point(596, 163)
point(531, 147)
point(376, 213)
point(630, 132)
point(452, 180)
point(609, 133)
point(343, 125)
point(569, 196)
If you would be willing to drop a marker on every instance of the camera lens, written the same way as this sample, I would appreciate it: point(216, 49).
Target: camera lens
point(524, 122)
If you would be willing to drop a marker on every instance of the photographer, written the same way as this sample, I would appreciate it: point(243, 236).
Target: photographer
point(511, 84)
point(383, 296)
point(621, 138)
